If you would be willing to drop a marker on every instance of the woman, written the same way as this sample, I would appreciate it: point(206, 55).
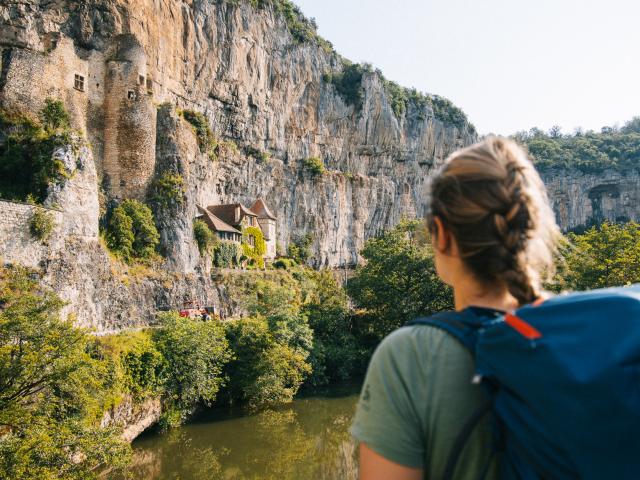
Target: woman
point(494, 237)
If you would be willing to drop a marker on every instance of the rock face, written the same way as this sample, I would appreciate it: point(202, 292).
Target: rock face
point(257, 86)
point(124, 71)
point(580, 199)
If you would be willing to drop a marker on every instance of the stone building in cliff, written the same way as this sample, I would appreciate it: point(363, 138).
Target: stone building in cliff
point(227, 221)
point(107, 93)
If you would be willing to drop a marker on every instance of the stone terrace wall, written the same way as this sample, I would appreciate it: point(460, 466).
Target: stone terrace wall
point(18, 244)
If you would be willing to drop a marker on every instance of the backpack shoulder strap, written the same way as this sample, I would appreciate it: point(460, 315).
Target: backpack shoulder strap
point(461, 325)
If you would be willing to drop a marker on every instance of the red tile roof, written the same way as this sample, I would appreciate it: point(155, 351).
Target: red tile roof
point(215, 223)
point(228, 212)
point(261, 209)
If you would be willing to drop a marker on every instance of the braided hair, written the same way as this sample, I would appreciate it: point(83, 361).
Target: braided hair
point(492, 200)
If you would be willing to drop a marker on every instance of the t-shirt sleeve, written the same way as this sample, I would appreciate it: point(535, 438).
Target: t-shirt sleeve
point(386, 419)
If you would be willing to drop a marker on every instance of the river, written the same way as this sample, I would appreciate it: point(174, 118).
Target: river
point(307, 439)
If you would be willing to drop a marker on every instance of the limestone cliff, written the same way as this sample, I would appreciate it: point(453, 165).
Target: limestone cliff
point(125, 69)
point(580, 199)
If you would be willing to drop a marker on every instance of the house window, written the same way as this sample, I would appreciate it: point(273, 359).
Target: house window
point(78, 82)
point(131, 95)
point(140, 79)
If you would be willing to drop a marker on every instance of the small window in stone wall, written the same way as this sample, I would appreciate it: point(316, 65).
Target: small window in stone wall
point(131, 95)
point(140, 80)
point(78, 82)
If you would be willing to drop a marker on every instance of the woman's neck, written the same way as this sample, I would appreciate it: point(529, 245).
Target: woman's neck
point(470, 294)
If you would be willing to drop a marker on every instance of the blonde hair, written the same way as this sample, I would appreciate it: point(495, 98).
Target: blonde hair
point(492, 200)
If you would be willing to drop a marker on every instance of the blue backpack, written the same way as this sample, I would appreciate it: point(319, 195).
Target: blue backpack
point(563, 378)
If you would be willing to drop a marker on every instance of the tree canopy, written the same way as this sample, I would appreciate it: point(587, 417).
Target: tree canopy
point(615, 148)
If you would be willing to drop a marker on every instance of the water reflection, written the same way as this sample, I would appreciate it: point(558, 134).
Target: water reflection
point(307, 440)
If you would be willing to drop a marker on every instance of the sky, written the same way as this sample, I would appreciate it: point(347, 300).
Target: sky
point(509, 64)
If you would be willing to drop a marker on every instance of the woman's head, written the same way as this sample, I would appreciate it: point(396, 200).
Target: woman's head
point(491, 203)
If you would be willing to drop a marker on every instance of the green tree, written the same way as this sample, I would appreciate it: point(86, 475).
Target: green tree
point(337, 353)
point(50, 390)
point(132, 232)
point(398, 281)
point(263, 372)
point(54, 116)
point(195, 353)
point(300, 248)
point(603, 256)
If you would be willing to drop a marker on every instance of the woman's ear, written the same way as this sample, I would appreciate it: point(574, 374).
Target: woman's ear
point(441, 237)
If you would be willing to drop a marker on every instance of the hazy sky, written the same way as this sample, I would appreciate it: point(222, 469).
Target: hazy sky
point(509, 64)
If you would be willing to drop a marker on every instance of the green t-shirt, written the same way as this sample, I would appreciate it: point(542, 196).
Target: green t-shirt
point(416, 398)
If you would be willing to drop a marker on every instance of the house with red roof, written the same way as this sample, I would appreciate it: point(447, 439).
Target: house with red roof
point(227, 222)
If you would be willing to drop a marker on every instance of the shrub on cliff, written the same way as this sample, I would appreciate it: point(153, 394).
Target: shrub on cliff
point(348, 83)
point(195, 353)
point(300, 248)
point(205, 238)
point(206, 140)
point(135, 364)
point(132, 233)
point(54, 116)
point(41, 224)
point(27, 166)
point(314, 165)
point(50, 390)
point(168, 191)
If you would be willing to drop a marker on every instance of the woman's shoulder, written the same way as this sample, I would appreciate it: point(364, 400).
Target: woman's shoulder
point(419, 341)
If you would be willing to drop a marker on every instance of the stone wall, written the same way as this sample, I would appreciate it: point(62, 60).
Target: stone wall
point(18, 244)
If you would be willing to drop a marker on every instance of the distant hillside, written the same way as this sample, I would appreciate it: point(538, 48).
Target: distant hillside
point(590, 152)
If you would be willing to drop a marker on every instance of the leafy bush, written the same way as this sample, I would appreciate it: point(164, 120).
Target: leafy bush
point(607, 255)
point(132, 233)
point(338, 353)
point(314, 165)
point(54, 116)
point(398, 281)
point(398, 98)
point(226, 255)
point(206, 140)
point(591, 152)
point(205, 238)
point(284, 263)
point(260, 155)
point(264, 372)
point(168, 190)
point(137, 363)
point(256, 251)
point(27, 166)
point(300, 248)
point(51, 390)
point(348, 83)
point(41, 224)
point(195, 353)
